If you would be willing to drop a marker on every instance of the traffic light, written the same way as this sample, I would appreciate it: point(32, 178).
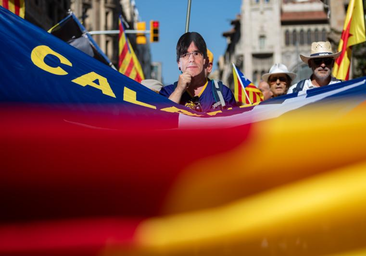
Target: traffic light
point(154, 31)
point(140, 37)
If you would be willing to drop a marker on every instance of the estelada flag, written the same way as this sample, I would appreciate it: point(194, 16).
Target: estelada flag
point(245, 91)
point(15, 6)
point(353, 33)
point(129, 65)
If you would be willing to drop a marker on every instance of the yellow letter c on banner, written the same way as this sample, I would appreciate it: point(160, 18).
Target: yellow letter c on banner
point(39, 54)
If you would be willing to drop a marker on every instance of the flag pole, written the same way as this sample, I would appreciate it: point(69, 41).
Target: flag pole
point(188, 15)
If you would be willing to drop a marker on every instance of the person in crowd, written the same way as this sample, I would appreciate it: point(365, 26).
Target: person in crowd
point(279, 79)
point(266, 91)
point(321, 62)
point(152, 84)
point(193, 88)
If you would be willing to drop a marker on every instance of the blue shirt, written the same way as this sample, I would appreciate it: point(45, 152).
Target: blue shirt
point(206, 98)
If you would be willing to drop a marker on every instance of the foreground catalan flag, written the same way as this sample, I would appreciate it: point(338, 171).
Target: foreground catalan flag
point(353, 33)
point(15, 6)
point(129, 65)
point(245, 91)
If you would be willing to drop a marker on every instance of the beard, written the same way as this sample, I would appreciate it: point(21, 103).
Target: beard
point(322, 76)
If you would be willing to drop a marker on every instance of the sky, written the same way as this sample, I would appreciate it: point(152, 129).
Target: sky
point(210, 18)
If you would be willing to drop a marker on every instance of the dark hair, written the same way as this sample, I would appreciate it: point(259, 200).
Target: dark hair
point(185, 41)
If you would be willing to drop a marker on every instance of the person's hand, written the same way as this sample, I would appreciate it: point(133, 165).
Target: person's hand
point(184, 80)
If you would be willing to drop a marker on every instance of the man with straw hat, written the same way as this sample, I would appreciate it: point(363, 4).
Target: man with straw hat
point(321, 61)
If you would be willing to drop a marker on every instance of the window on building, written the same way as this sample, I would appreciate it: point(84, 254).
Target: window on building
point(262, 42)
point(107, 46)
point(255, 77)
point(302, 37)
point(294, 37)
point(287, 38)
point(316, 35)
point(312, 36)
point(50, 11)
point(308, 37)
point(324, 35)
point(107, 19)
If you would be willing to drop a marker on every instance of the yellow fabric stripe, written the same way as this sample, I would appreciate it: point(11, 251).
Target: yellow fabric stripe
point(201, 184)
point(298, 212)
point(137, 65)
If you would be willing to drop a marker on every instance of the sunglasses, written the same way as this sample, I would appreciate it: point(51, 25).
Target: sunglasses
point(274, 79)
point(326, 61)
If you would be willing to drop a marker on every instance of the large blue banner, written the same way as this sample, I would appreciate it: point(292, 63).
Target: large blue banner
point(37, 67)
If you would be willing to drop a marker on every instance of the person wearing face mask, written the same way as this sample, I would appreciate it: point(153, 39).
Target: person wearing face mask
point(279, 79)
point(193, 88)
point(321, 62)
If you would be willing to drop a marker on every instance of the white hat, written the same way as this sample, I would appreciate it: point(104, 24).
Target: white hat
point(320, 50)
point(152, 84)
point(278, 68)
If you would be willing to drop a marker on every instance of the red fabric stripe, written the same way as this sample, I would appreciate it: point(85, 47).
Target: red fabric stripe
point(254, 97)
point(83, 236)
point(345, 36)
point(6, 4)
point(129, 68)
point(240, 91)
point(120, 31)
point(138, 77)
point(17, 7)
point(123, 54)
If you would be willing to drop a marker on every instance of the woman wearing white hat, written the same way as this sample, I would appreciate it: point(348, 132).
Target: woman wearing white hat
point(321, 61)
point(279, 79)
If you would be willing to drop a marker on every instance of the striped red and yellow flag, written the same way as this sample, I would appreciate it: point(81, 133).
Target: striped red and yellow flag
point(245, 91)
point(353, 33)
point(129, 65)
point(15, 6)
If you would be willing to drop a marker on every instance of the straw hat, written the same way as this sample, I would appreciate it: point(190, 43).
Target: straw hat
point(320, 50)
point(278, 68)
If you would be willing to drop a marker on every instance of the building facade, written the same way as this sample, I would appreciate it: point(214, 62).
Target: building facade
point(278, 31)
point(45, 14)
point(103, 15)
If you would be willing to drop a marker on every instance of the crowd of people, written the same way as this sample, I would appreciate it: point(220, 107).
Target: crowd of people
point(196, 91)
